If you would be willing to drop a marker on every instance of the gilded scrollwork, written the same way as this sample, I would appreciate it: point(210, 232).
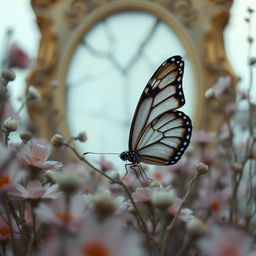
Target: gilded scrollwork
point(202, 22)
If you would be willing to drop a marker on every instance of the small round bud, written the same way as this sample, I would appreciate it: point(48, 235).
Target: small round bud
point(10, 124)
point(196, 228)
point(104, 205)
point(69, 182)
point(33, 93)
point(8, 75)
point(202, 168)
point(237, 167)
point(113, 174)
point(252, 61)
point(162, 199)
point(26, 136)
point(250, 39)
point(82, 137)
point(57, 140)
point(250, 10)
point(209, 94)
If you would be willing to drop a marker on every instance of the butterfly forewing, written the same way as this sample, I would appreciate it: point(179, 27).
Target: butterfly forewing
point(162, 94)
point(165, 139)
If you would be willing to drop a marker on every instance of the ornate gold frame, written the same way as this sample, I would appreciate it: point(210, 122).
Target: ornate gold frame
point(199, 24)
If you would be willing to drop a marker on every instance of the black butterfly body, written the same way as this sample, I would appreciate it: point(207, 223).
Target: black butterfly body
point(159, 133)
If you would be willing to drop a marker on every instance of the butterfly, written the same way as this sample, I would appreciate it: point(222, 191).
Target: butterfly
point(159, 133)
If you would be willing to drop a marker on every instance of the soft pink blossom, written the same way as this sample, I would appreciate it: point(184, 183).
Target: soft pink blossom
point(225, 241)
point(185, 214)
point(18, 57)
point(56, 212)
point(35, 190)
point(104, 164)
point(108, 238)
point(160, 174)
point(35, 153)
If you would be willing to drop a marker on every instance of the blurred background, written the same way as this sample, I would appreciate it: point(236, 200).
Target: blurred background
point(123, 49)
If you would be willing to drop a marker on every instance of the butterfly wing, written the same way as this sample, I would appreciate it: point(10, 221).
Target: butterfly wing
point(165, 139)
point(162, 94)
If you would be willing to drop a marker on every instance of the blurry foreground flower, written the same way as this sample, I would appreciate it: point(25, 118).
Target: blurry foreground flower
point(56, 211)
point(225, 241)
point(108, 238)
point(35, 153)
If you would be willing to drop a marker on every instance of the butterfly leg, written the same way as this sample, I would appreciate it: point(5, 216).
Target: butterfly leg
point(126, 170)
point(143, 173)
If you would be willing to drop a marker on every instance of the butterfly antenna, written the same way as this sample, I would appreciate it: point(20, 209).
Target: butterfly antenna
point(94, 153)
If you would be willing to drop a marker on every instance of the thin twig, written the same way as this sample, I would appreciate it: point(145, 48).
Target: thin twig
point(184, 200)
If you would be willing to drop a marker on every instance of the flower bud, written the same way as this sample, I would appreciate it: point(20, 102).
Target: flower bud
point(237, 167)
point(8, 75)
point(82, 137)
point(69, 182)
point(104, 205)
point(57, 140)
point(162, 199)
point(252, 61)
point(202, 168)
point(26, 136)
point(33, 93)
point(196, 228)
point(10, 124)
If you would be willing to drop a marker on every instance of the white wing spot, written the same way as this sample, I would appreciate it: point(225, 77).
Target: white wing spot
point(172, 59)
point(187, 136)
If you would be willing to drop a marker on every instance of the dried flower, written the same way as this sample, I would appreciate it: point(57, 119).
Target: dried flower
point(8, 75)
point(26, 136)
point(202, 168)
point(82, 137)
point(57, 140)
point(10, 125)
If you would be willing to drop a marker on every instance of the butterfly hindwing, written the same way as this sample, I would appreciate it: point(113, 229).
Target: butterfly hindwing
point(162, 93)
point(165, 139)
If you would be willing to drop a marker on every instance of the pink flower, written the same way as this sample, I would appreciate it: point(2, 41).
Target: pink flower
point(104, 164)
point(224, 241)
point(185, 214)
point(56, 213)
point(35, 190)
point(35, 153)
point(160, 174)
point(17, 57)
point(107, 238)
